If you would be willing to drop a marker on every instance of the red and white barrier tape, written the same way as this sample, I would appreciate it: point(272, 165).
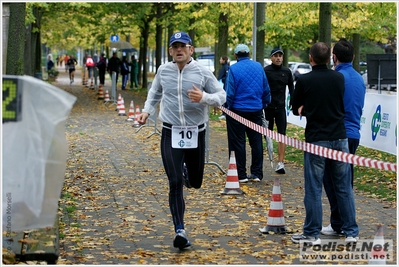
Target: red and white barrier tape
point(311, 148)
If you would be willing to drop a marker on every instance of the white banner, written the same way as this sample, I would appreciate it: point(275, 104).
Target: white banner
point(378, 124)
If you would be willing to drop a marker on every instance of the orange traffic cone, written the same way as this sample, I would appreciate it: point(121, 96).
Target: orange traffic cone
point(92, 84)
point(136, 123)
point(378, 256)
point(131, 112)
point(275, 220)
point(122, 109)
point(107, 99)
point(119, 102)
point(232, 184)
point(100, 94)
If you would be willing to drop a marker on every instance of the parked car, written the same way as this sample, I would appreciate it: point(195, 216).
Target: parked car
point(290, 63)
point(298, 69)
point(209, 63)
point(265, 63)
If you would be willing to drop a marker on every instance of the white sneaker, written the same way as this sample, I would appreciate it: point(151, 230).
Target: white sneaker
point(328, 230)
point(223, 117)
point(253, 178)
point(351, 239)
point(280, 168)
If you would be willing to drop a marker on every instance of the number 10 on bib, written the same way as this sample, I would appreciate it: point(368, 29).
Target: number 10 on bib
point(185, 137)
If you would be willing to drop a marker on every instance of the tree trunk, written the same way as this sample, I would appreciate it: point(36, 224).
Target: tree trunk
point(192, 31)
point(325, 23)
point(143, 52)
point(16, 39)
point(158, 37)
point(170, 32)
point(260, 34)
point(356, 45)
point(223, 37)
point(37, 41)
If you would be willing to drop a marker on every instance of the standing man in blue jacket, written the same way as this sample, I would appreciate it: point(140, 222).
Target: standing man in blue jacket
point(247, 94)
point(355, 92)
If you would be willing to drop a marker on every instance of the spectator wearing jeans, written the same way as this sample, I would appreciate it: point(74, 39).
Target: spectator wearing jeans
point(319, 95)
point(355, 92)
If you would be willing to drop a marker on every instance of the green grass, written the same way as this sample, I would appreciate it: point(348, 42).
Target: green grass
point(70, 209)
point(372, 182)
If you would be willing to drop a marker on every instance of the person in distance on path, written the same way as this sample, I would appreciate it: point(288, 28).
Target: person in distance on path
point(184, 88)
point(224, 70)
point(114, 66)
point(71, 63)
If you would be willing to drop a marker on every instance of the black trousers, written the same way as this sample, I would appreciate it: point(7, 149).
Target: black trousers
point(173, 160)
point(236, 134)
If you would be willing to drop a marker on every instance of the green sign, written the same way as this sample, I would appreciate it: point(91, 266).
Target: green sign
point(12, 100)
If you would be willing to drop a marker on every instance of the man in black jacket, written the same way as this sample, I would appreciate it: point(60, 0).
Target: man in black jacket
point(114, 65)
point(319, 95)
point(279, 78)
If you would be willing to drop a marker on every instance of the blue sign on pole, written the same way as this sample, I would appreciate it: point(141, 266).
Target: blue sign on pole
point(114, 38)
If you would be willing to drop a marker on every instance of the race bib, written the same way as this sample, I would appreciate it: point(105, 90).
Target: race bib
point(184, 136)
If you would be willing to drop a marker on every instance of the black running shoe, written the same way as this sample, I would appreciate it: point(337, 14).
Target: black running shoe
point(181, 240)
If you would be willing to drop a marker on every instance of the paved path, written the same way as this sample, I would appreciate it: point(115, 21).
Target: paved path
point(114, 205)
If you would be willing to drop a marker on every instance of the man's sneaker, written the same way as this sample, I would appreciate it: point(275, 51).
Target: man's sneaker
point(223, 117)
point(280, 168)
point(328, 230)
point(70, 82)
point(351, 239)
point(185, 177)
point(181, 240)
point(253, 178)
point(300, 238)
point(244, 180)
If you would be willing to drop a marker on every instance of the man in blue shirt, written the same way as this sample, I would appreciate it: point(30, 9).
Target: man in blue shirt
point(355, 91)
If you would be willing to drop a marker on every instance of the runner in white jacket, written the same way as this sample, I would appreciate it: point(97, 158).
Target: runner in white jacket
point(184, 89)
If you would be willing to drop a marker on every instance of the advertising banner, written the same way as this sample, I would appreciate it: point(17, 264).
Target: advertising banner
point(378, 123)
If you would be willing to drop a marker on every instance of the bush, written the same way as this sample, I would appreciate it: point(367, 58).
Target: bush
point(53, 72)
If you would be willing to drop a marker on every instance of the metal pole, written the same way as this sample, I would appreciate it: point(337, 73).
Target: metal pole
point(113, 91)
point(153, 118)
point(379, 77)
point(207, 150)
point(254, 34)
point(95, 70)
